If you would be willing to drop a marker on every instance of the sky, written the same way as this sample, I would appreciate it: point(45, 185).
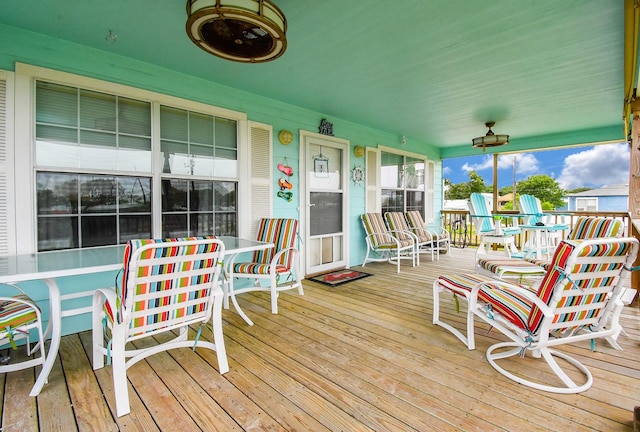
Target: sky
point(575, 167)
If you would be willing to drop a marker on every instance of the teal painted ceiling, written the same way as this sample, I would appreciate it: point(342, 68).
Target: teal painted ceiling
point(433, 71)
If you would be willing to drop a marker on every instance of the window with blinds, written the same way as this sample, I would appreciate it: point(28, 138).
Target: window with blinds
point(94, 158)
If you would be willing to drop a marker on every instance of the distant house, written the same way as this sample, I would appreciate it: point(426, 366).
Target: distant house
point(607, 198)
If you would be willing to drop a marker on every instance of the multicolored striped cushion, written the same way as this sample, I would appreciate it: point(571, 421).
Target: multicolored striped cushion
point(282, 233)
point(509, 265)
point(503, 299)
point(377, 231)
point(602, 250)
point(15, 314)
point(591, 228)
point(164, 285)
point(556, 278)
point(257, 268)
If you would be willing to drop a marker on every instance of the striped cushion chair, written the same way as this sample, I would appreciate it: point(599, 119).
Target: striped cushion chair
point(424, 242)
point(19, 316)
point(578, 299)
point(586, 228)
point(592, 227)
point(419, 228)
point(278, 265)
point(382, 245)
point(165, 285)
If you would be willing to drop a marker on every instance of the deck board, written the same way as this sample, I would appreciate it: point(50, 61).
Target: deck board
point(363, 356)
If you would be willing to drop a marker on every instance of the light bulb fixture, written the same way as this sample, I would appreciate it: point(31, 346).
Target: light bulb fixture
point(490, 139)
point(248, 31)
point(111, 37)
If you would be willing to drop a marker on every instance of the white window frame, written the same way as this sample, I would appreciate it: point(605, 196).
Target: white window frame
point(585, 208)
point(24, 140)
point(373, 179)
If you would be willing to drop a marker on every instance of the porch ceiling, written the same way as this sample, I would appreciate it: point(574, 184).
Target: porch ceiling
point(432, 71)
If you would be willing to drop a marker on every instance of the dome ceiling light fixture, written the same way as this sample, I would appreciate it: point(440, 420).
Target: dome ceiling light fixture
point(490, 139)
point(247, 31)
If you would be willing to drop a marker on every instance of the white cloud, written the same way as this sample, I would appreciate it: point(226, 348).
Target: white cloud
point(596, 167)
point(446, 171)
point(486, 163)
point(525, 163)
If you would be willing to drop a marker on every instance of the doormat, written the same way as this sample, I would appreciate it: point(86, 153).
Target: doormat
point(340, 277)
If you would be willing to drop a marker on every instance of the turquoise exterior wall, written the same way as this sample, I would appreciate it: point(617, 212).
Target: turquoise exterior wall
point(25, 47)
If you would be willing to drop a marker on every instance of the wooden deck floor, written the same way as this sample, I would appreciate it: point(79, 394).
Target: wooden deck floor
point(360, 357)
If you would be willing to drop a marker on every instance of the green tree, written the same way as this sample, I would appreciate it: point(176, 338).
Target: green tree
point(464, 190)
point(543, 187)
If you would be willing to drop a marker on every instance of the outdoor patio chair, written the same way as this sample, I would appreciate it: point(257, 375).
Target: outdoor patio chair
point(578, 299)
point(541, 233)
point(530, 266)
point(165, 285)
point(584, 228)
point(424, 242)
point(19, 317)
point(383, 245)
point(278, 265)
point(489, 226)
point(419, 228)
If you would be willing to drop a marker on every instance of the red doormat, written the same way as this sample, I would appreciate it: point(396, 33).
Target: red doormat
point(339, 277)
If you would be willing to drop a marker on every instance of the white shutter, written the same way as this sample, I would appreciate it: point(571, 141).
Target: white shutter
point(261, 169)
point(4, 207)
point(429, 197)
point(373, 199)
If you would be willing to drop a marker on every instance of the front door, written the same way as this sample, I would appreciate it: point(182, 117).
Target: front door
point(324, 167)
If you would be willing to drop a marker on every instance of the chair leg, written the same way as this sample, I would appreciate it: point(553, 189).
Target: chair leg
point(119, 371)
point(55, 320)
point(274, 294)
point(469, 339)
point(97, 335)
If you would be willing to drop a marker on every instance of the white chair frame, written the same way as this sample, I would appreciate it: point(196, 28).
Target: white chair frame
point(122, 332)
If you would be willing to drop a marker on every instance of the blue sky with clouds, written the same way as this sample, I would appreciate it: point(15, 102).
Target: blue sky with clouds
point(592, 167)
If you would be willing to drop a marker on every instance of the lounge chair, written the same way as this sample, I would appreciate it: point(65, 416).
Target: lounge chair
point(578, 299)
point(278, 265)
point(424, 241)
point(382, 245)
point(419, 228)
point(164, 286)
point(489, 226)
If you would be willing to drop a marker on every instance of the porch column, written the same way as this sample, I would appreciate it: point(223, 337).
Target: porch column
point(634, 187)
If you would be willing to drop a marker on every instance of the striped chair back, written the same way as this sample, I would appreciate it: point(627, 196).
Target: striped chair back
point(167, 281)
point(282, 233)
point(398, 225)
point(591, 227)
point(376, 230)
point(415, 220)
point(581, 275)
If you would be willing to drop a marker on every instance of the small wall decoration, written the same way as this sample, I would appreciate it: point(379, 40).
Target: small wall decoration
point(358, 151)
point(321, 166)
point(283, 183)
point(285, 137)
point(326, 128)
point(357, 175)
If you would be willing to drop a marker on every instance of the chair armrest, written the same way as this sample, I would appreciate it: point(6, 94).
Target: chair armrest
point(409, 233)
point(105, 295)
point(392, 237)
